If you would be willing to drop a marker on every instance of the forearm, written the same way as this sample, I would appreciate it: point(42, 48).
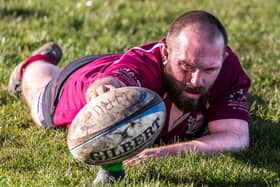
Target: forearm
point(213, 143)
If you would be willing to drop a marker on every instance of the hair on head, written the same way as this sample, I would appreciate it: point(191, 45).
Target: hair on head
point(200, 19)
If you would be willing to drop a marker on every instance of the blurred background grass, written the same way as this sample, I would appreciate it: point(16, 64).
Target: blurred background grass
point(30, 156)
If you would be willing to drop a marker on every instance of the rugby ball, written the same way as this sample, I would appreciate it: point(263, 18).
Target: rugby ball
point(116, 125)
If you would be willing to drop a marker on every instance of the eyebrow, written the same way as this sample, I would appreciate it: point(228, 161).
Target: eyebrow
point(192, 65)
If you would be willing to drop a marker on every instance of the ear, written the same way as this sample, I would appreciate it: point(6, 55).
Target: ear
point(226, 55)
point(164, 52)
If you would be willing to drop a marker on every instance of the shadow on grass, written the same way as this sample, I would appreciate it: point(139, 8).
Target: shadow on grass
point(3, 98)
point(264, 149)
point(21, 12)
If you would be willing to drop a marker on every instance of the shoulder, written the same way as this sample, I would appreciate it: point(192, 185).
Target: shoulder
point(147, 52)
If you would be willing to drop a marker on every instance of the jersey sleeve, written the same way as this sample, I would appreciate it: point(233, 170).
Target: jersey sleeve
point(228, 96)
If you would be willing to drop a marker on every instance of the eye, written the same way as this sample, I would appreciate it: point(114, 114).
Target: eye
point(185, 66)
point(209, 70)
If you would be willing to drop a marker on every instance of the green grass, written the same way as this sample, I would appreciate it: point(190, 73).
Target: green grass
point(31, 156)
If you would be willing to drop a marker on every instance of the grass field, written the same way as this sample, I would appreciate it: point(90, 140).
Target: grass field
point(31, 156)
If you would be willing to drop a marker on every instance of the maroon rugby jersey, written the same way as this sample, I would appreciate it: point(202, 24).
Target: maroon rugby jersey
point(143, 66)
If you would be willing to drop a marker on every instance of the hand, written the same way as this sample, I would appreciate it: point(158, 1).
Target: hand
point(101, 86)
point(144, 156)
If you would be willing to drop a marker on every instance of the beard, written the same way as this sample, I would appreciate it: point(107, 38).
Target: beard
point(175, 90)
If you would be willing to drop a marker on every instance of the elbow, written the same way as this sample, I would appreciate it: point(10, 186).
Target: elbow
point(238, 141)
point(242, 138)
point(243, 142)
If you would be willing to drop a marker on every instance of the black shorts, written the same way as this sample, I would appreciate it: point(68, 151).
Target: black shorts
point(49, 97)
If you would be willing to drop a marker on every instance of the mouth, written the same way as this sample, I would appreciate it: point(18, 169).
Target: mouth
point(191, 94)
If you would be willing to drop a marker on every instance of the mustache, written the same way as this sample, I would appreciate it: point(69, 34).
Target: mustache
point(181, 87)
point(193, 89)
point(176, 90)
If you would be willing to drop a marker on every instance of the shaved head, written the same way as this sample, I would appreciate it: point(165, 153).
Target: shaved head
point(207, 26)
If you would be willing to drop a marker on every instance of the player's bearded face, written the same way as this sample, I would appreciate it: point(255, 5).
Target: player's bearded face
point(176, 91)
point(193, 63)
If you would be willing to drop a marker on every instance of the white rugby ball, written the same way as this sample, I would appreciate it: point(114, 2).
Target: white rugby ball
point(116, 125)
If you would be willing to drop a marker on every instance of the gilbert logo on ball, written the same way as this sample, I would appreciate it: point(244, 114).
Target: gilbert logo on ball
point(116, 125)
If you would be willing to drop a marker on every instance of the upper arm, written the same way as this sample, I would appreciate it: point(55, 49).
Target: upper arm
point(236, 129)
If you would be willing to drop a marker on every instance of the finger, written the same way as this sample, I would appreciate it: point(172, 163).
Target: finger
point(132, 161)
point(91, 95)
point(101, 90)
point(140, 158)
point(110, 87)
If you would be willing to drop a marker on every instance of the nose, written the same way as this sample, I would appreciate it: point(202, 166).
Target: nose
point(196, 78)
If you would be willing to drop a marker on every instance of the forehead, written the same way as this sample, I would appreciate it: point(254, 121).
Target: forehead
point(192, 46)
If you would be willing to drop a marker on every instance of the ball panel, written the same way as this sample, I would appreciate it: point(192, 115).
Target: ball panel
point(105, 111)
point(124, 139)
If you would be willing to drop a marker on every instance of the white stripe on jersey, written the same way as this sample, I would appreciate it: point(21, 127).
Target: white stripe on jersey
point(143, 50)
point(149, 50)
